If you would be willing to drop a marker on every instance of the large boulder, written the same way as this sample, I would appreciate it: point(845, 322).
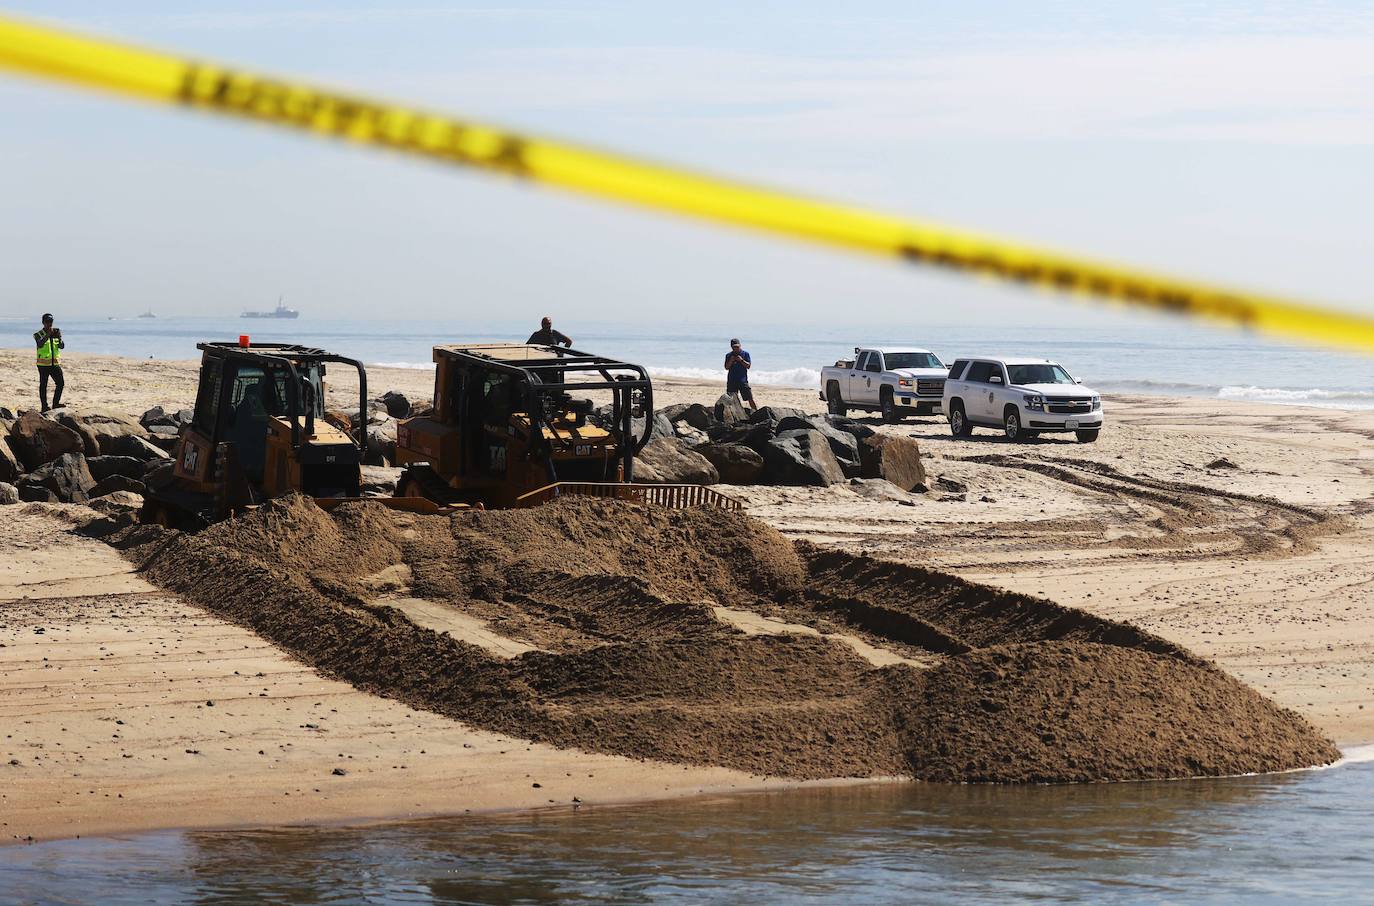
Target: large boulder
point(800, 457)
point(90, 443)
point(689, 435)
point(880, 489)
point(860, 431)
point(698, 416)
point(37, 440)
point(844, 445)
point(66, 477)
point(736, 463)
point(755, 437)
point(396, 403)
point(114, 484)
point(339, 419)
point(130, 445)
point(771, 415)
point(380, 481)
point(155, 416)
point(117, 503)
point(36, 493)
point(895, 458)
point(728, 410)
point(10, 465)
point(667, 460)
point(8, 493)
point(103, 467)
point(111, 424)
point(381, 443)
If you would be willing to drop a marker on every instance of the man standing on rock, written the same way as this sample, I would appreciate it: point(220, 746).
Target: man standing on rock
point(50, 346)
point(737, 365)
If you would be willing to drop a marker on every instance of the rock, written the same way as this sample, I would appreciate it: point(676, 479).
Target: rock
point(899, 460)
point(66, 477)
point(849, 426)
point(1222, 463)
point(949, 484)
point(165, 430)
point(105, 423)
point(130, 445)
point(880, 489)
point(735, 463)
point(90, 443)
point(729, 410)
point(690, 435)
point(114, 484)
point(774, 414)
point(667, 460)
point(37, 440)
point(116, 503)
point(396, 403)
point(6, 414)
point(674, 412)
point(36, 493)
point(154, 416)
point(755, 437)
point(421, 408)
point(10, 466)
point(696, 415)
point(185, 416)
point(103, 467)
point(844, 445)
point(380, 481)
point(800, 458)
point(339, 419)
point(8, 493)
point(381, 442)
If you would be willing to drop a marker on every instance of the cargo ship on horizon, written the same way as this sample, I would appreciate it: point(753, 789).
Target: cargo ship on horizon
point(281, 311)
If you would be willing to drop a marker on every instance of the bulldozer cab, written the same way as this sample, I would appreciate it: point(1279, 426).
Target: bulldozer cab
point(258, 431)
point(511, 418)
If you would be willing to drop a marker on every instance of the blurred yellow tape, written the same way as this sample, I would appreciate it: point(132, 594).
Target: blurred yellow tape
point(156, 76)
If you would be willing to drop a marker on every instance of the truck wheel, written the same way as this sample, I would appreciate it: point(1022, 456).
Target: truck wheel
point(891, 414)
point(833, 401)
point(1087, 437)
point(1011, 425)
point(958, 423)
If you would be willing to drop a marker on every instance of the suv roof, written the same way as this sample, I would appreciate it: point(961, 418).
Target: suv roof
point(1008, 360)
point(890, 349)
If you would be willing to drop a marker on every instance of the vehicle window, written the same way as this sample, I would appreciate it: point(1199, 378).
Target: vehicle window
point(496, 399)
point(875, 362)
point(979, 372)
point(207, 397)
point(862, 363)
point(957, 369)
point(1038, 374)
point(913, 360)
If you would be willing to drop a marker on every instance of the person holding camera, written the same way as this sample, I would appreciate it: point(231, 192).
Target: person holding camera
point(50, 346)
point(737, 365)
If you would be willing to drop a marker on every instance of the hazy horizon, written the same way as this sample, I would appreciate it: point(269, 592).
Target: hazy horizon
point(1223, 142)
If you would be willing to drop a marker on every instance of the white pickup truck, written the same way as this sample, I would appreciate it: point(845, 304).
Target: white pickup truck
point(1021, 398)
point(895, 382)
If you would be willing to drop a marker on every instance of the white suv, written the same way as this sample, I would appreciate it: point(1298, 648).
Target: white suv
point(1021, 398)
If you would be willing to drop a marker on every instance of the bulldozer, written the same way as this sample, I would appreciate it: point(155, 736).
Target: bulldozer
point(258, 431)
point(512, 426)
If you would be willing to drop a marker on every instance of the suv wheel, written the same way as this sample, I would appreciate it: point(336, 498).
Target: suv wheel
point(891, 414)
point(958, 423)
point(1011, 426)
point(834, 403)
point(1087, 437)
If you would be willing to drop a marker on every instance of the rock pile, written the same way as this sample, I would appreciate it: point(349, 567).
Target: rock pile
point(696, 444)
point(75, 456)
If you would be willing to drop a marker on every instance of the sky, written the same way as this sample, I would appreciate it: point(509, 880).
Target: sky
point(1224, 141)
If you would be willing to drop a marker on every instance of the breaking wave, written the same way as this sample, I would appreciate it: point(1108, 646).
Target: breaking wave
point(1330, 399)
point(787, 377)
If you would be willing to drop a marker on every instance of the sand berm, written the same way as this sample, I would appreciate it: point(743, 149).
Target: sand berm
point(617, 611)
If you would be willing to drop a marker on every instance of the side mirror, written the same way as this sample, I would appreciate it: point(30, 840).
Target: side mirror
point(1078, 380)
point(995, 379)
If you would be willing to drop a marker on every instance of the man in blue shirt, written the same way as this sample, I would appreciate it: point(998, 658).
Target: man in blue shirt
point(737, 365)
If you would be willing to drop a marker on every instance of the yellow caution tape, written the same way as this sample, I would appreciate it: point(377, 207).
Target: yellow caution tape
point(161, 77)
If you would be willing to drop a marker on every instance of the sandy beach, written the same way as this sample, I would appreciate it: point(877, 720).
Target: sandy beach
point(1233, 530)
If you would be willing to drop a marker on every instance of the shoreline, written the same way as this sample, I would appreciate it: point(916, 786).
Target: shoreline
point(1265, 610)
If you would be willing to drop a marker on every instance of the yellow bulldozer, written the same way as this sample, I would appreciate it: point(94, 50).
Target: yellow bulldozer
point(259, 432)
point(516, 425)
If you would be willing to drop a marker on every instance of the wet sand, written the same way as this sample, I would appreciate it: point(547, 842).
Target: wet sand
point(1136, 527)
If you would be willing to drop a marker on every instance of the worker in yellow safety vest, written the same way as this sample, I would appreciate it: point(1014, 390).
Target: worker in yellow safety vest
point(50, 346)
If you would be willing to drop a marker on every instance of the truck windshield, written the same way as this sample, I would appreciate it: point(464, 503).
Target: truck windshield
point(895, 360)
point(1038, 374)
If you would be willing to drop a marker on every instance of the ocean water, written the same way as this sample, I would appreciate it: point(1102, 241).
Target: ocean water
point(1297, 837)
point(1161, 358)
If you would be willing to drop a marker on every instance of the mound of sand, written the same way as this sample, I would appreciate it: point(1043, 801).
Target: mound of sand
point(634, 661)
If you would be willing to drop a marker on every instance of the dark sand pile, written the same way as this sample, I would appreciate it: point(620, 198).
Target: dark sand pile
point(634, 661)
